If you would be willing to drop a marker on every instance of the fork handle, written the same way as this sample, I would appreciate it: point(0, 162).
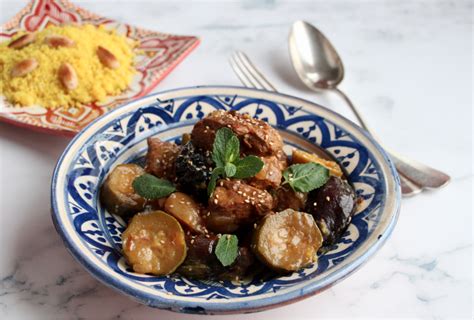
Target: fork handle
point(420, 174)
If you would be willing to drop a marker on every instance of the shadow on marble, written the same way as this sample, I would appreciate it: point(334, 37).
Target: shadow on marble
point(280, 61)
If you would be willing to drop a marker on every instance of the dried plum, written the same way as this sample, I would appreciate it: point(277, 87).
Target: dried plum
point(202, 263)
point(193, 170)
point(332, 207)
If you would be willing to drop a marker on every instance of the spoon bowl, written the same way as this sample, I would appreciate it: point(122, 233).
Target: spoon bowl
point(315, 60)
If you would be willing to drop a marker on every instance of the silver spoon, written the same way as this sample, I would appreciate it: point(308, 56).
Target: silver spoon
point(319, 66)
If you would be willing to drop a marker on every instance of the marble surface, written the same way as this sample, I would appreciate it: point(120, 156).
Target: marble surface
point(408, 67)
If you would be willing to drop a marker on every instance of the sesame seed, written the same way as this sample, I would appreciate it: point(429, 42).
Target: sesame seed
point(215, 201)
point(328, 199)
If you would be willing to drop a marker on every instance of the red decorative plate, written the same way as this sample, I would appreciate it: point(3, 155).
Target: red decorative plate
point(159, 54)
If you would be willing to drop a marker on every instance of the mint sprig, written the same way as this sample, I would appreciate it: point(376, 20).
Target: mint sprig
point(226, 156)
point(248, 167)
point(151, 187)
point(306, 177)
point(227, 249)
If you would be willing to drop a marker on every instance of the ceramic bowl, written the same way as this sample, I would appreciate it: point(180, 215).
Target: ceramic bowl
point(92, 235)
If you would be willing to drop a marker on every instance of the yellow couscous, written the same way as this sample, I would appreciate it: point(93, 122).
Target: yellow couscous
point(73, 70)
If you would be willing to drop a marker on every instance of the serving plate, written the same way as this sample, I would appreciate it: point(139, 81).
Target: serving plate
point(93, 235)
point(158, 54)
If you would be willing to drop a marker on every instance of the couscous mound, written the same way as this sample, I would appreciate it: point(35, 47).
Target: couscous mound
point(32, 68)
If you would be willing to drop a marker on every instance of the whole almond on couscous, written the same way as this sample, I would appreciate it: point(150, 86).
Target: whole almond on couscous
point(75, 45)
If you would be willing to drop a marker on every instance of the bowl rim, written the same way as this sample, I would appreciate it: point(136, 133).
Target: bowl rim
point(391, 207)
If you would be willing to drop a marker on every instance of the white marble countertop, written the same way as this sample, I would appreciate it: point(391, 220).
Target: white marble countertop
point(408, 67)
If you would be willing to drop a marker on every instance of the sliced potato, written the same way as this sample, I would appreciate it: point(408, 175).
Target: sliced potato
point(287, 241)
point(300, 156)
point(186, 210)
point(117, 194)
point(154, 243)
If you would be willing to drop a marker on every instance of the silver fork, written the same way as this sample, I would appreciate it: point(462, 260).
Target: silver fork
point(251, 77)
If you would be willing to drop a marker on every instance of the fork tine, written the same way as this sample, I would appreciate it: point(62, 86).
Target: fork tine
point(254, 83)
point(255, 72)
point(248, 72)
point(242, 77)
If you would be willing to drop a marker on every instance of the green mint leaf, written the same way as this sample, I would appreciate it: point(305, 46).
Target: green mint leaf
point(248, 167)
point(306, 177)
point(232, 151)
point(230, 170)
point(151, 187)
point(214, 176)
point(219, 148)
point(227, 249)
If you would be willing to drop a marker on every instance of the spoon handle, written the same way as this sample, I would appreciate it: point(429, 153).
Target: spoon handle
point(418, 173)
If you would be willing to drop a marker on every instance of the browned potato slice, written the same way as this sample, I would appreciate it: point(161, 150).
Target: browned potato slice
point(154, 243)
point(117, 194)
point(270, 175)
point(287, 241)
point(186, 210)
point(300, 156)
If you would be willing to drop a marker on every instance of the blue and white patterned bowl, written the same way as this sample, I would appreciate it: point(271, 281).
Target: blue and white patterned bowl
point(93, 235)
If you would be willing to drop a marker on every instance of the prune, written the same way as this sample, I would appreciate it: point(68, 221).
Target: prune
point(202, 263)
point(193, 169)
point(332, 206)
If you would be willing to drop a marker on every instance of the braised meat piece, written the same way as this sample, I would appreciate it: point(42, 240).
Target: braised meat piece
point(161, 157)
point(256, 137)
point(234, 203)
point(271, 173)
point(332, 207)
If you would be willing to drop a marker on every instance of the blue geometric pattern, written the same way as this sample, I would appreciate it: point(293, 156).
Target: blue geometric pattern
point(118, 141)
